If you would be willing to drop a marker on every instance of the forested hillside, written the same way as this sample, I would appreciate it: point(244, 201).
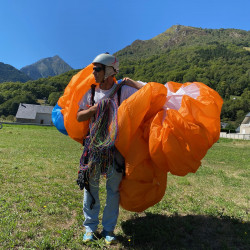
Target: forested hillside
point(218, 58)
point(13, 93)
point(10, 73)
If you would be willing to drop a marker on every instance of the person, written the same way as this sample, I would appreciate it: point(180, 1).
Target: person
point(105, 67)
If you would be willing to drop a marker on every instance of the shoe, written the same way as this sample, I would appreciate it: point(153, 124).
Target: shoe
point(109, 237)
point(89, 236)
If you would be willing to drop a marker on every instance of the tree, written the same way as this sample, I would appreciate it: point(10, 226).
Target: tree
point(53, 98)
point(221, 88)
point(190, 76)
point(240, 115)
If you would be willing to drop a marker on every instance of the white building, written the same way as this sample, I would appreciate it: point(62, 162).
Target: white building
point(245, 125)
point(35, 114)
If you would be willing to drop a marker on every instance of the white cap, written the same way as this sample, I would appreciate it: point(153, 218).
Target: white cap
point(107, 60)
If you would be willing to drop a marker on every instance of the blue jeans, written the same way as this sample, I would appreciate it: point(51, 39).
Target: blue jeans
point(111, 210)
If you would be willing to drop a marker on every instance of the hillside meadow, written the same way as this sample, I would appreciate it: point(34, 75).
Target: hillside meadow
point(41, 205)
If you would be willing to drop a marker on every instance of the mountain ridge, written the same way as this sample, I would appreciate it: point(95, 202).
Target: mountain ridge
point(50, 66)
point(180, 35)
point(218, 58)
point(8, 73)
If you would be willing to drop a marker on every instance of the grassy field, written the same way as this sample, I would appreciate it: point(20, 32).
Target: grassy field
point(41, 205)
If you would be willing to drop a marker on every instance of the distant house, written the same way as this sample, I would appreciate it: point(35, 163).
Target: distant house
point(35, 114)
point(237, 130)
point(245, 125)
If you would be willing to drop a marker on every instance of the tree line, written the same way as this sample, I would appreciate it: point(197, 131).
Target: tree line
point(223, 67)
point(50, 89)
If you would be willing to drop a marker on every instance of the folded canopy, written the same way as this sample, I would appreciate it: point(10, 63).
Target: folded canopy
point(161, 129)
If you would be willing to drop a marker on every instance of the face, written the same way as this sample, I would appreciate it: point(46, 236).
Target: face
point(98, 72)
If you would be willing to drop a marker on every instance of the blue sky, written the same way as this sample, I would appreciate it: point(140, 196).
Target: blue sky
point(78, 30)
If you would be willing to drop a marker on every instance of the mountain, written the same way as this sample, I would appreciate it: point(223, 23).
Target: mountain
point(219, 58)
point(183, 36)
point(10, 74)
point(50, 66)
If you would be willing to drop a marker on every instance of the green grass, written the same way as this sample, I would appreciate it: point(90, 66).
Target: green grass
point(41, 206)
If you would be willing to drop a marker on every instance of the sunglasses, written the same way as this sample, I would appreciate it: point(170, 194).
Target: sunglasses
point(98, 69)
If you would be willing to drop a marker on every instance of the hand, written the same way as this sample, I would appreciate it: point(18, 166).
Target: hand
point(86, 114)
point(132, 83)
point(80, 180)
point(128, 81)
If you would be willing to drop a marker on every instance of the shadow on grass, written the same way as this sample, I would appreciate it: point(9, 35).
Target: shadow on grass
point(185, 232)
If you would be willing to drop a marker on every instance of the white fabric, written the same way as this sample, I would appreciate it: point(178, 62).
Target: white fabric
point(101, 94)
point(143, 83)
point(109, 71)
point(174, 99)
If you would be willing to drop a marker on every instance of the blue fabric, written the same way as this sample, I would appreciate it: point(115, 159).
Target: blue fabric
point(57, 119)
point(111, 210)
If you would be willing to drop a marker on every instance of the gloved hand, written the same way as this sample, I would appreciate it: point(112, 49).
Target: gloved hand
point(83, 182)
point(80, 181)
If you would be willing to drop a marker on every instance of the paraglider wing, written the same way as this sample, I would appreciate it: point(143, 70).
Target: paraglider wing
point(161, 129)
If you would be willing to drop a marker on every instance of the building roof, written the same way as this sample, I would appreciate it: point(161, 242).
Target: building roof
point(246, 119)
point(29, 111)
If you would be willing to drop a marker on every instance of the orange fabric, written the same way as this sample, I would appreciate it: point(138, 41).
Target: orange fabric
point(153, 141)
point(79, 85)
point(144, 184)
point(73, 93)
point(179, 142)
point(136, 111)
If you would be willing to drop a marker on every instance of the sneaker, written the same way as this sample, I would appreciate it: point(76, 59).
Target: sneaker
point(89, 236)
point(109, 237)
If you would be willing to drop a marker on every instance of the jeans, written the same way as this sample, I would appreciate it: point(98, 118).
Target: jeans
point(111, 210)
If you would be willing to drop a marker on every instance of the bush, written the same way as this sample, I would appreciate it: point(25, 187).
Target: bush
point(2, 118)
point(228, 130)
point(11, 118)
